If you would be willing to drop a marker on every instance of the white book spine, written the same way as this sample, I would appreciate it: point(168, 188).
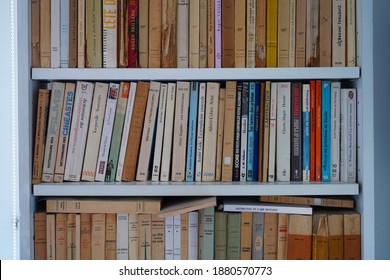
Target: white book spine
point(193, 235)
point(200, 132)
point(182, 33)
point(53, 131)
point(65, 5)
point(268, 208)
point(169, 238)
point(306, 132)
point(168, 133)
point(339, 33)
point(126, 130)
point(55, 34)
point(110, 25)
point(272, 132)
point(335, 130)
point(79, 129)
point(159, 132)
point(108, 125)
point(122, 236)
point(145, 152)
point(94, 131)
point(292, 14)
point(133, 236)
point(283, 132)
point(348, 135)
point(176, 237)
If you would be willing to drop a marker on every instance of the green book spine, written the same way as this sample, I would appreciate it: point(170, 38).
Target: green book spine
point(233, 236)
point(220, 235)
point(209, 217)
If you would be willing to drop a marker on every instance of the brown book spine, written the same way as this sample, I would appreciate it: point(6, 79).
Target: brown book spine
point(320, 239)
point(155, 34)
point(50, 236)
point(220, 133)
point(184, 236)
point(282, 236)
point(300, 35)
point(132, 36)
point(250, 33)
point(73, 34)
point(261, 131)
point(210, 33)
point(246, 235)
point(239, 33)
point(81, 34)
point(352, 242)
point(203, 33)
point(261, 28)
point(45, 35)
point(35, 24)
point(137, 120)
point(336, 236)
point(61, 234)
point(312, 34)
point(172, 16)
point(283, 33)
point(85, 236)
point(270, 236)
point(326, 33)
point(143, 37)
point(110, 240)
point(98, 239)
point(40, 252)
point(194, 34)
point(165, 34)
point(123, 34)
point(299, 237)
point(158, 238)
point(228, 26)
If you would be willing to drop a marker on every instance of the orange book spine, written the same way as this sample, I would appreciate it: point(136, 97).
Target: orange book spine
point(312, 130)
point(318, 130)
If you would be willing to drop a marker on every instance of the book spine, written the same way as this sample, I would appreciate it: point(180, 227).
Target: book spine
point(155, 34)
point(165, 33)
point(283, 132)
point(35, 34)
point(143, 36)
point(292, 39)
point(176, 237)
point(149, 128)
point(158, 238)
point(203, 34)
point(270, 236)
point(220, 134)
point(103, 167)
point(283, 33)
point(194, 34)
point(110, 34)
point(306, 132)
point(123, 29)
point(300, 35)
point(193, 235)
point(239, 33)
point(335, 132)
point(218, 33)
point(50, 236)
point(61, 236)
point(64, 55)
point(318, 128)
point(126, 130)
point(133, 42)
point(257, 236)
point(209, 220)
point(271, 146)
point(246, 236)
point(53, 129)
point(81, 34)
point(55, 37)
point(117, 130)
point(267, 110)
point(110, 237)
point(182, 33)
point(145, 236)
point(312, 34)
point(339, 33)
point(122, 236)
point(85, 236)
point(233, 236)
point(296, 132)
point(281, 253)
point(45, 33)
point(325, 33)
point(351, 33)
point(200, 132)
point(159, 132)
point(326, 131)
point(272, 33)
point(210, 33)
point(93, 33)
point(71, 237)
point(134, 236)
point(94, 131)
point(190, 166)
point(40, 252)
point(169, 238)
point(73, 22)
point(184, 236)
point(168, 133)
point(220, 235)
point(228, 34)
point(251, 130)
point(66, 119)
point(312, 131)
point(250, 33)
point(237, 134)
point(244, 131)
point(256, 133)
point(261, 152)
point(261, 28)
point(172, 6)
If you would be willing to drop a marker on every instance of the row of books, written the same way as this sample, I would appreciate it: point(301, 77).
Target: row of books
point(203, 234)
point(193, 34)
point(196, 131)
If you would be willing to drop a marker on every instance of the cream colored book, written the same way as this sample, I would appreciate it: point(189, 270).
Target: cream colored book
point(312, 33)
point(71, 237)
point(194, 23)
point(292, 38)
point(122, 236)
point(239, 33)
point(98, 236)
point(94, 131)
point(250, 33)
point(338, 33)
point(351, 33)
point(110, 34)
point(282, 236)
point(158, 238)
point(143, 29)
point(93, 33)
point(144, 236)
point(182, 33)
point(133, 236)
point(110, 237)
point(45, 33)
point(81, 34)
point(155, 34)
point(211, 131)
point(210, 34)
point(51, 236)
point(203, 33)
point(200, 132)
point(64, 34)
point(85, 235)
point(55, 37)
point(220, 133)
point(61, 236)
point(283, 33)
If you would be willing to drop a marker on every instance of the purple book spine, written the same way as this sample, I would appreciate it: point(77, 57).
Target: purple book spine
point(218, 33)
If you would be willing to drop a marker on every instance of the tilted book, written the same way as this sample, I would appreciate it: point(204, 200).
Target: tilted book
point(155, 34)
point(145, 154)
point(193, 30)
point(132, 35)
point(272, 33)
point(103, 167)
point(53, 129)
point(339, 33)
point(306, 132)
point(339, 202)
point(239, 29)
point(183, 205)
point(117, 130)
point(45, 34)
point(261, 28)
point(94, 131)
point(55, 36)
point(335, 132)
point(220, 132)
point(200, 131)
point(64, 35)
point(93, 33)
point(110, 33)
point(122, 236)
point(218, 33)
point(110, 237)
point(192, 121)
point(326, 131)
point(182, 33)
point(296, 131)
point(228, 34)
point(244, 131)
point(283, 33)
point(270, 163)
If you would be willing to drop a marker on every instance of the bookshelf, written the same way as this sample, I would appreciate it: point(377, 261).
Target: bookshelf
point(361, 77)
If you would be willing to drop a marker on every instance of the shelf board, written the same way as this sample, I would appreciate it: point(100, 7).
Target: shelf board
point(194, 189)
point(169, 74)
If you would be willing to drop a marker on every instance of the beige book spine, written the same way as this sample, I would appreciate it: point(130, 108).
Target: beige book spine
point(172, 5)
point(110, 237)
point(182, 33)
point(60, 236)
point(98, 236)
point(158, 238)
point(320, 238)
point(71, 237)
point(133, 236)
point(261, 31)
point(194, 9)
point(81, 34)
point(351, 33)
point(165, 34)
point(282, 236)
point(299, 237)
point(122, 34)
point(40, 252)
point(184, 236)
point(143, 29)
point(283, 33)
point(51, 236)
point(325, 33)
point(144, 236)
point(155, 34)
point(85, 236)
point(292, 40)
point(73, 25)
point(93, 33)
point(44, 36)
point(312, 34)
point(339, 33)
point(239, 33)
point(210, 34)
point(110, 33)
point(300, 37)
point(78, 237)
point(220, 134)
point(336, 236)
point(246, 235)
point(250, 33)
point(270, 236)
point(35, 25)
point(203, 33)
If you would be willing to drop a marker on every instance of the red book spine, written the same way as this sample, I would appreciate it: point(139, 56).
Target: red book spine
point(132, 10)
point(318, 130)
point(312, 131)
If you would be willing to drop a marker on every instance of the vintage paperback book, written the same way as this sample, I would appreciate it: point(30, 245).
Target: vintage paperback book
point(182, 33)
point(55, 36)
point(193, 30)
point(110, 33)
point(192, 121)
point(93, 33)
point(155, 34)
point(200, 132)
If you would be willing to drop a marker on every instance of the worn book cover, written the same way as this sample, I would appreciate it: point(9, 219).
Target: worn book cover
point(98, 236)
point(93, 32)
point(228, 34)
point(155, 34)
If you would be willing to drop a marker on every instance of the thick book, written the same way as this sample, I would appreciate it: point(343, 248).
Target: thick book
point(126, 130)
point(339, 33)
point(251, 131)
point(50, 236)
point(85, 236)
point(283, 132)
point(283, 33)
point(312, 33)
point(44, 35)
point(122, 236)
point(98, 236)
point(228, 131)
point(159, 132)
point(228, 34)
point(325, 30)
point(200, 131)
point(94, 131)
point(318, 129)
point(338, 202)
point(210, 33)
point(246, 236)
point(191, 142)
point(55, 33)
point(237, 135)
point(177, 237)
point(351, 33)
point(81, 34)
point(300, 34)
point(144, 236)
point(352, 236)
point(296, 131)
point(272, 34)
point(180, 131)
point(271, 221)
point(260, 32)
point(239, 34)
point(233, 238)
point(250, 33)
point(145, 154)
point(281, 253)
point(110, 34)
point(143, 34)
point(218, 33)
point(244, 204)
point(335, 132)
point(176, 206)
point(348, 101)
point(61, 236)
point(134, 236)
point(182, 33)
point(220, 235)
point(326, 131)
point(210, 131)
point(53, 130)
point(78, 133)
point(66, 118)
point(203, 33)
point(133, 143)
point(244, 131)
point(193, 228)
point(184, 236)
point(168, 133)
point(194, 24)
point(169, 238)
point(35, 34)
point(93, 33)
point(158, 238)
point(336, 235)
point(110, 237)
point(103, 205)
point(117, 130)
point(122, 34)
point(320, 238)
point(40, 236)
point(299, 237)
point(306, 132)
point(257, 236)
point(40, 134)
point(73, 24)
point(220, 133)
point(103, 167)
point(64, 33)
point(132, 35)
point(155, 34)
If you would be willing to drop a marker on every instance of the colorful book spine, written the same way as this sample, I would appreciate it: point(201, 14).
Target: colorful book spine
point(218, 33)
point(200, 132)
point(271, 146)
point(326, 131)
point(251, 131)
point(191, 146)
point(335, 132)
point(312, 130)
point(64, 54)
point(306, 133)
point(318, 127)
point(132, 16)
point(244, 131)
point(110, 20)
point(256, 132)
point(237, 135)
point(266, 133)
point(296, 132)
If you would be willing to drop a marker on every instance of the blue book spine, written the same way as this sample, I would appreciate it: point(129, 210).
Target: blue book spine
point(256, 136)
point(326, 101)
point(251, 130)
point(306, 133)
point(191, 145)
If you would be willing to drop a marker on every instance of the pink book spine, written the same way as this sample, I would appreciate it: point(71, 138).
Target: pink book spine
point(132, 10)
point(218, 33)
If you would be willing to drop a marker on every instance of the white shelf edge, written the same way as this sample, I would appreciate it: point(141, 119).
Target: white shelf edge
point(96, 74)
point(194, 189)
